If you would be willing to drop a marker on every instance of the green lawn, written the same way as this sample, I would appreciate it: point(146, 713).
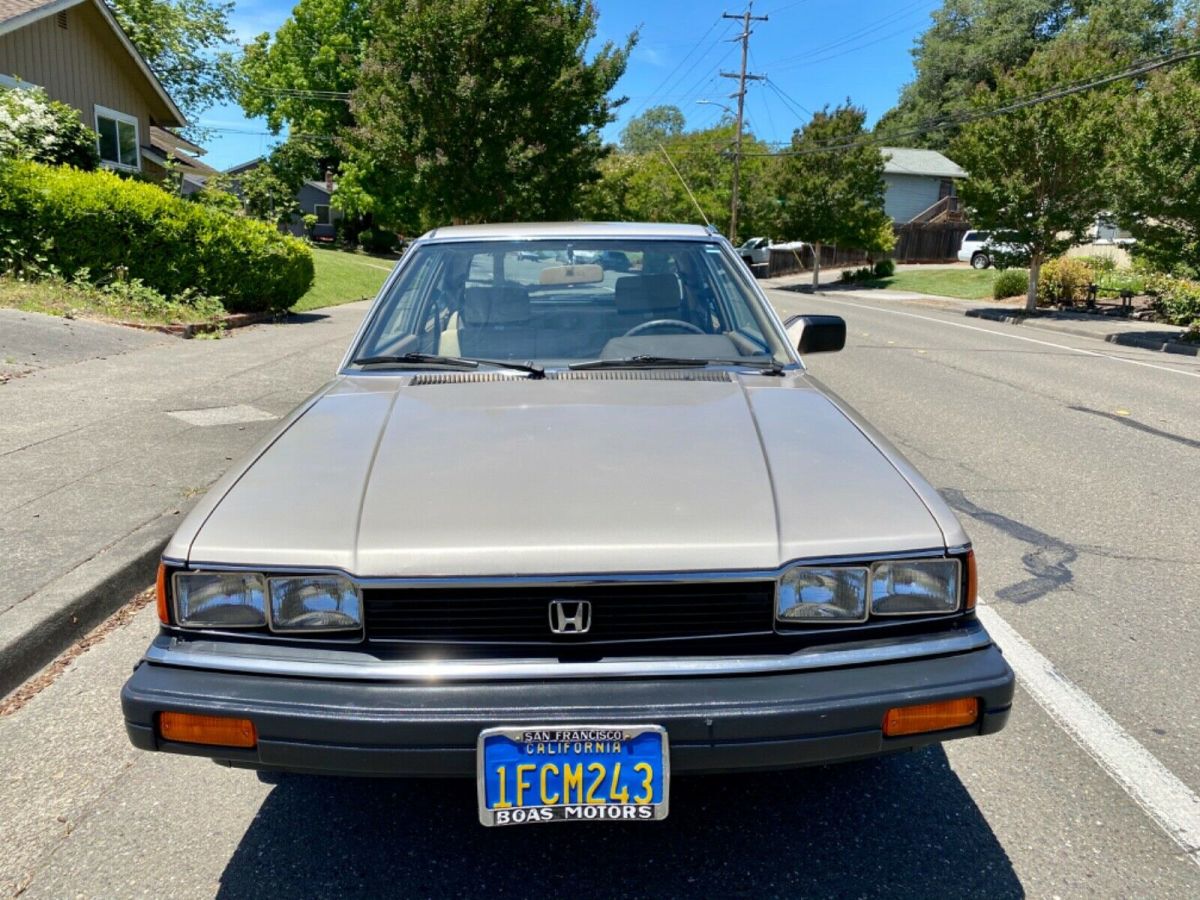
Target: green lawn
point(343, 278)
point(965, 284)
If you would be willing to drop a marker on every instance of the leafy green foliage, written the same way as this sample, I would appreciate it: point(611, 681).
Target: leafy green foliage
point(266, 197)
point(319, 48)
point(1037, 173)
point(972, 43)
point(830, 192)
point(182, 41)
point(36, 128)
point(1157, 178)
point(644, 187)
point(885, 268)
point(1009, 283)
point(377, 240)
point(1178, 299)
point(121, 301)
point(1063, 280)
point(61, 220)
point(484, 110)
point(657, 125)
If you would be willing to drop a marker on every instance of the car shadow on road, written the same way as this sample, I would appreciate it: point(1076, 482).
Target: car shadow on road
point(900, 826)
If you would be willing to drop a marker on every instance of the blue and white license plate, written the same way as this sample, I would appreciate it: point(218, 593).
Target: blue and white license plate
point(573, 773)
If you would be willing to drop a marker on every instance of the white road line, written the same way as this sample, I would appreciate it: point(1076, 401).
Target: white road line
point(1004, 334)
point(1166, 799)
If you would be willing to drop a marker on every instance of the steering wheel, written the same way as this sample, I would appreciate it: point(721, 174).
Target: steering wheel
point(663, 323)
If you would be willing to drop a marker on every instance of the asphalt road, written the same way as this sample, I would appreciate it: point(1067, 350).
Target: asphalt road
point(1075, 469)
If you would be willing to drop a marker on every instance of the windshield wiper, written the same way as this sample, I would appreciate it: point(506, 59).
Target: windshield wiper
point(459, 362)
point(767, 367)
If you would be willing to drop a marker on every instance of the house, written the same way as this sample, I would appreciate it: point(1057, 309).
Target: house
point(314, 197)
point(919, 185)
point(78, 54)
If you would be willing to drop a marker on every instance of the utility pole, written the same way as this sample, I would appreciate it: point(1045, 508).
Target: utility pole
point(742, 77)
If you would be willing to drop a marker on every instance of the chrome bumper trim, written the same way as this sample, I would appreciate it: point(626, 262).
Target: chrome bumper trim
point(355, 665)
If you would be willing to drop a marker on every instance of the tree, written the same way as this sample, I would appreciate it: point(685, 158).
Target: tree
point(1038, 174)
point(266, 197)
point(483, 110)
point(972, 42)
point(645, 186)
point(831, 185)
point(658, 124)
point(1157, 180)
point(301, 78)
point(39, 129)
point(182, 41)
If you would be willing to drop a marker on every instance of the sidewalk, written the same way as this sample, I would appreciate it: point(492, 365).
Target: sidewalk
point(104, 447)
point(1113, 330)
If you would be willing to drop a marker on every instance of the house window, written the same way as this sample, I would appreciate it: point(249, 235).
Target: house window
point(117, 136)
point(321, 210)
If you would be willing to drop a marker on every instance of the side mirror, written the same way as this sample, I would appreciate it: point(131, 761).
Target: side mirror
point(817, 334)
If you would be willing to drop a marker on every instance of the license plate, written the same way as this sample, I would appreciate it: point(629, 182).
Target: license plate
point(573, 773)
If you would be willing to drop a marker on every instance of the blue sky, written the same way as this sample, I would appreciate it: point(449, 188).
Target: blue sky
point(813, 52)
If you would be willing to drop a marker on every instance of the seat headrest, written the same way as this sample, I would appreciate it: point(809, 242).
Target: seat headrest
point(504, 305)
point(658, 293)
point(510, 306)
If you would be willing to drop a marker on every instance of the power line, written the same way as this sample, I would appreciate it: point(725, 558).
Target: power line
point(671, 75)
point(964, 118)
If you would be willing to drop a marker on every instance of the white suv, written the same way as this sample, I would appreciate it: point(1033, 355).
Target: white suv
point(977, 249)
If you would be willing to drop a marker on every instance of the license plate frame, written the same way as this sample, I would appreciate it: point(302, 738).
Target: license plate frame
point(488, 816)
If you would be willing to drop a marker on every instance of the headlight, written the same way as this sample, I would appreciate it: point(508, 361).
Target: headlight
point(915, 587)
point(220, 600)
point(315, 603)
point(814, 595)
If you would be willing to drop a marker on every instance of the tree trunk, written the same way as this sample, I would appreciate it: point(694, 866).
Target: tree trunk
point(1035, 267)
point(817, 266)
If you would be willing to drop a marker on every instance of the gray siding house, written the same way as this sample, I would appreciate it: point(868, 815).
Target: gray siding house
point(915, 181)
point(313, 197)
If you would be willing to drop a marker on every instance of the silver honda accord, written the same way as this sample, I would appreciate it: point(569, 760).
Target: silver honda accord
point(571, 517)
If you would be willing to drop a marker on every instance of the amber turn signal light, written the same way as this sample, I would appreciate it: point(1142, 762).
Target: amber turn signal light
point(218, 731)
point(160, 589)
point(931, 717)
point(972, 581)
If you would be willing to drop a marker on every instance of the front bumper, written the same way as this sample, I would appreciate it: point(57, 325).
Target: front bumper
point(715, 724)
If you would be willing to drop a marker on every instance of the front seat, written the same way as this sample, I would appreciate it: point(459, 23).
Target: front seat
point(495, 323)
point(644, 298)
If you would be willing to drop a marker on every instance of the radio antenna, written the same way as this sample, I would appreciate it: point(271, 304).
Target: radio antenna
point(671, 163)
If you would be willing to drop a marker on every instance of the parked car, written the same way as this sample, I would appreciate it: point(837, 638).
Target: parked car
point(980, 249)
point(571, 538)
point(756, 251)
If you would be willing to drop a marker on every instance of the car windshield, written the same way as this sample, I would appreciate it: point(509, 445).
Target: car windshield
point(564, 302)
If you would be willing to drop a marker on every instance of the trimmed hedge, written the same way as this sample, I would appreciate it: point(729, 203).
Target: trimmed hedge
point(63, 219)
point(1010, 283)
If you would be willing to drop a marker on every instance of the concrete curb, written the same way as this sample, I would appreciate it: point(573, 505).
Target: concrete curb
point(40, 627)
point(1125, 340)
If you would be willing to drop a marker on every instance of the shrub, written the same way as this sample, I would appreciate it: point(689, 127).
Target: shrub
point(1010, 283)
point(1098, 265)
point(63, 220)
point(847, 276)
point(36, 128)
point(377, 240)
point(885, 268)
point(1178, 299)
point(1063, 280)
point(864, 273)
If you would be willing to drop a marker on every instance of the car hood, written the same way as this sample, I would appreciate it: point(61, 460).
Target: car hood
point(606, 472)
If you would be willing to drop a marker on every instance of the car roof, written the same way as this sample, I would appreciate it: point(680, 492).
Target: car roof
point(534, 230)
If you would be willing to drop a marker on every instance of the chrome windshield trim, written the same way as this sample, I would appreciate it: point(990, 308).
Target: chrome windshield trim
point(352, 665)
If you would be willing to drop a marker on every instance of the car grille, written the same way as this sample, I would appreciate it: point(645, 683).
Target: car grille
point(521, 615)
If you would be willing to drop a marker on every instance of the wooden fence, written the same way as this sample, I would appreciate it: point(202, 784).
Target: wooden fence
point(915, 243)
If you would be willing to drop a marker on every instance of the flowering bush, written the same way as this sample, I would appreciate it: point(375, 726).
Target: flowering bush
point(35, 128)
